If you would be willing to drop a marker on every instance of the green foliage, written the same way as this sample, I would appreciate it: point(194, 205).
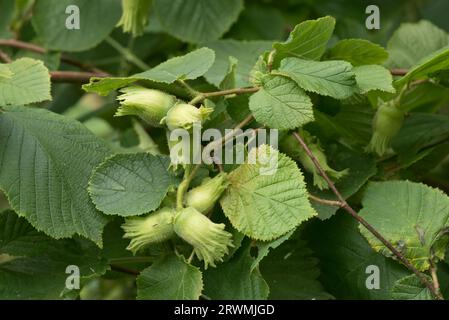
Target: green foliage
point(187, 67)
point(130, 184)
point(46, 162)
point(273, 204)
point(302, 284)
point(197, 21)
point(246, 53)
point(414, 41)
point(358, 52)
point(328, 78)
point(33, 265)
point(246, 284)
point(24, 81)
point(308, 40)
point(90, 178)
point(344, 257)
point(49, 21)
point(373, 77)
point(170, 277)
point(281, 104)
point(395, 209)
point(411, 288)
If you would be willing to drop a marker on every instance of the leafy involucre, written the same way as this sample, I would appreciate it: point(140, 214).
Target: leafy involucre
point(281, 104)
point(358, 52)
point(45, 163)
point(97, 19)
point(328, 78)
point(24, 81)
point(266, 200)
point(34, 265)
point(411, 288)
point(187, 67)
point(130, 184)
point(197, 20)
point(170, 278)
point(308, 40)
point(374, 77)
point(409, 215)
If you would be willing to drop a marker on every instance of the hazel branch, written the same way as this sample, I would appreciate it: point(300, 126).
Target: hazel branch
point(13, 43)
point(362, 221)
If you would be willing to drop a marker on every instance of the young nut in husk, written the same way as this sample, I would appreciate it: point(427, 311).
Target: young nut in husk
point(204, 197)
point(290, 146)
point(184, 115)
point(135, 16)
point(150, 105)
point(386, 125)
point(154, 228)
point(209, 240)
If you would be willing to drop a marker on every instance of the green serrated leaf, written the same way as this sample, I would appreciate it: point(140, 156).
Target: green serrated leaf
point(187, 67)
point(236, 279)
point(267, 199)
point(421, 130)
point(46, 161)
point(409, 215)
point(281, 104)
point(345, 257)
point(374, 77)
point(197, 21)
point(36, 264)
point(358, 52)
point(5, 72)
point(353, 123)
point(130, 184)
point(308, 40)
point(433, 63)
point(28, 81)
point(265, 247)
point(50, 17)
point(411, 288)
point(246, 52)
point(328, 78)
point(229, 81)
point(301, 281)
point(412, 42)
point(170, 278)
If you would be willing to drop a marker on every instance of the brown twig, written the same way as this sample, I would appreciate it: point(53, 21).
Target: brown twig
point(433, 272)
point(326, 202)
point(72, 76)
point(4, 57)
point(199, 98)
point(398, 71)
point(121, 269)
point(34, 48)
point(214, 144)
point(362, 221)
